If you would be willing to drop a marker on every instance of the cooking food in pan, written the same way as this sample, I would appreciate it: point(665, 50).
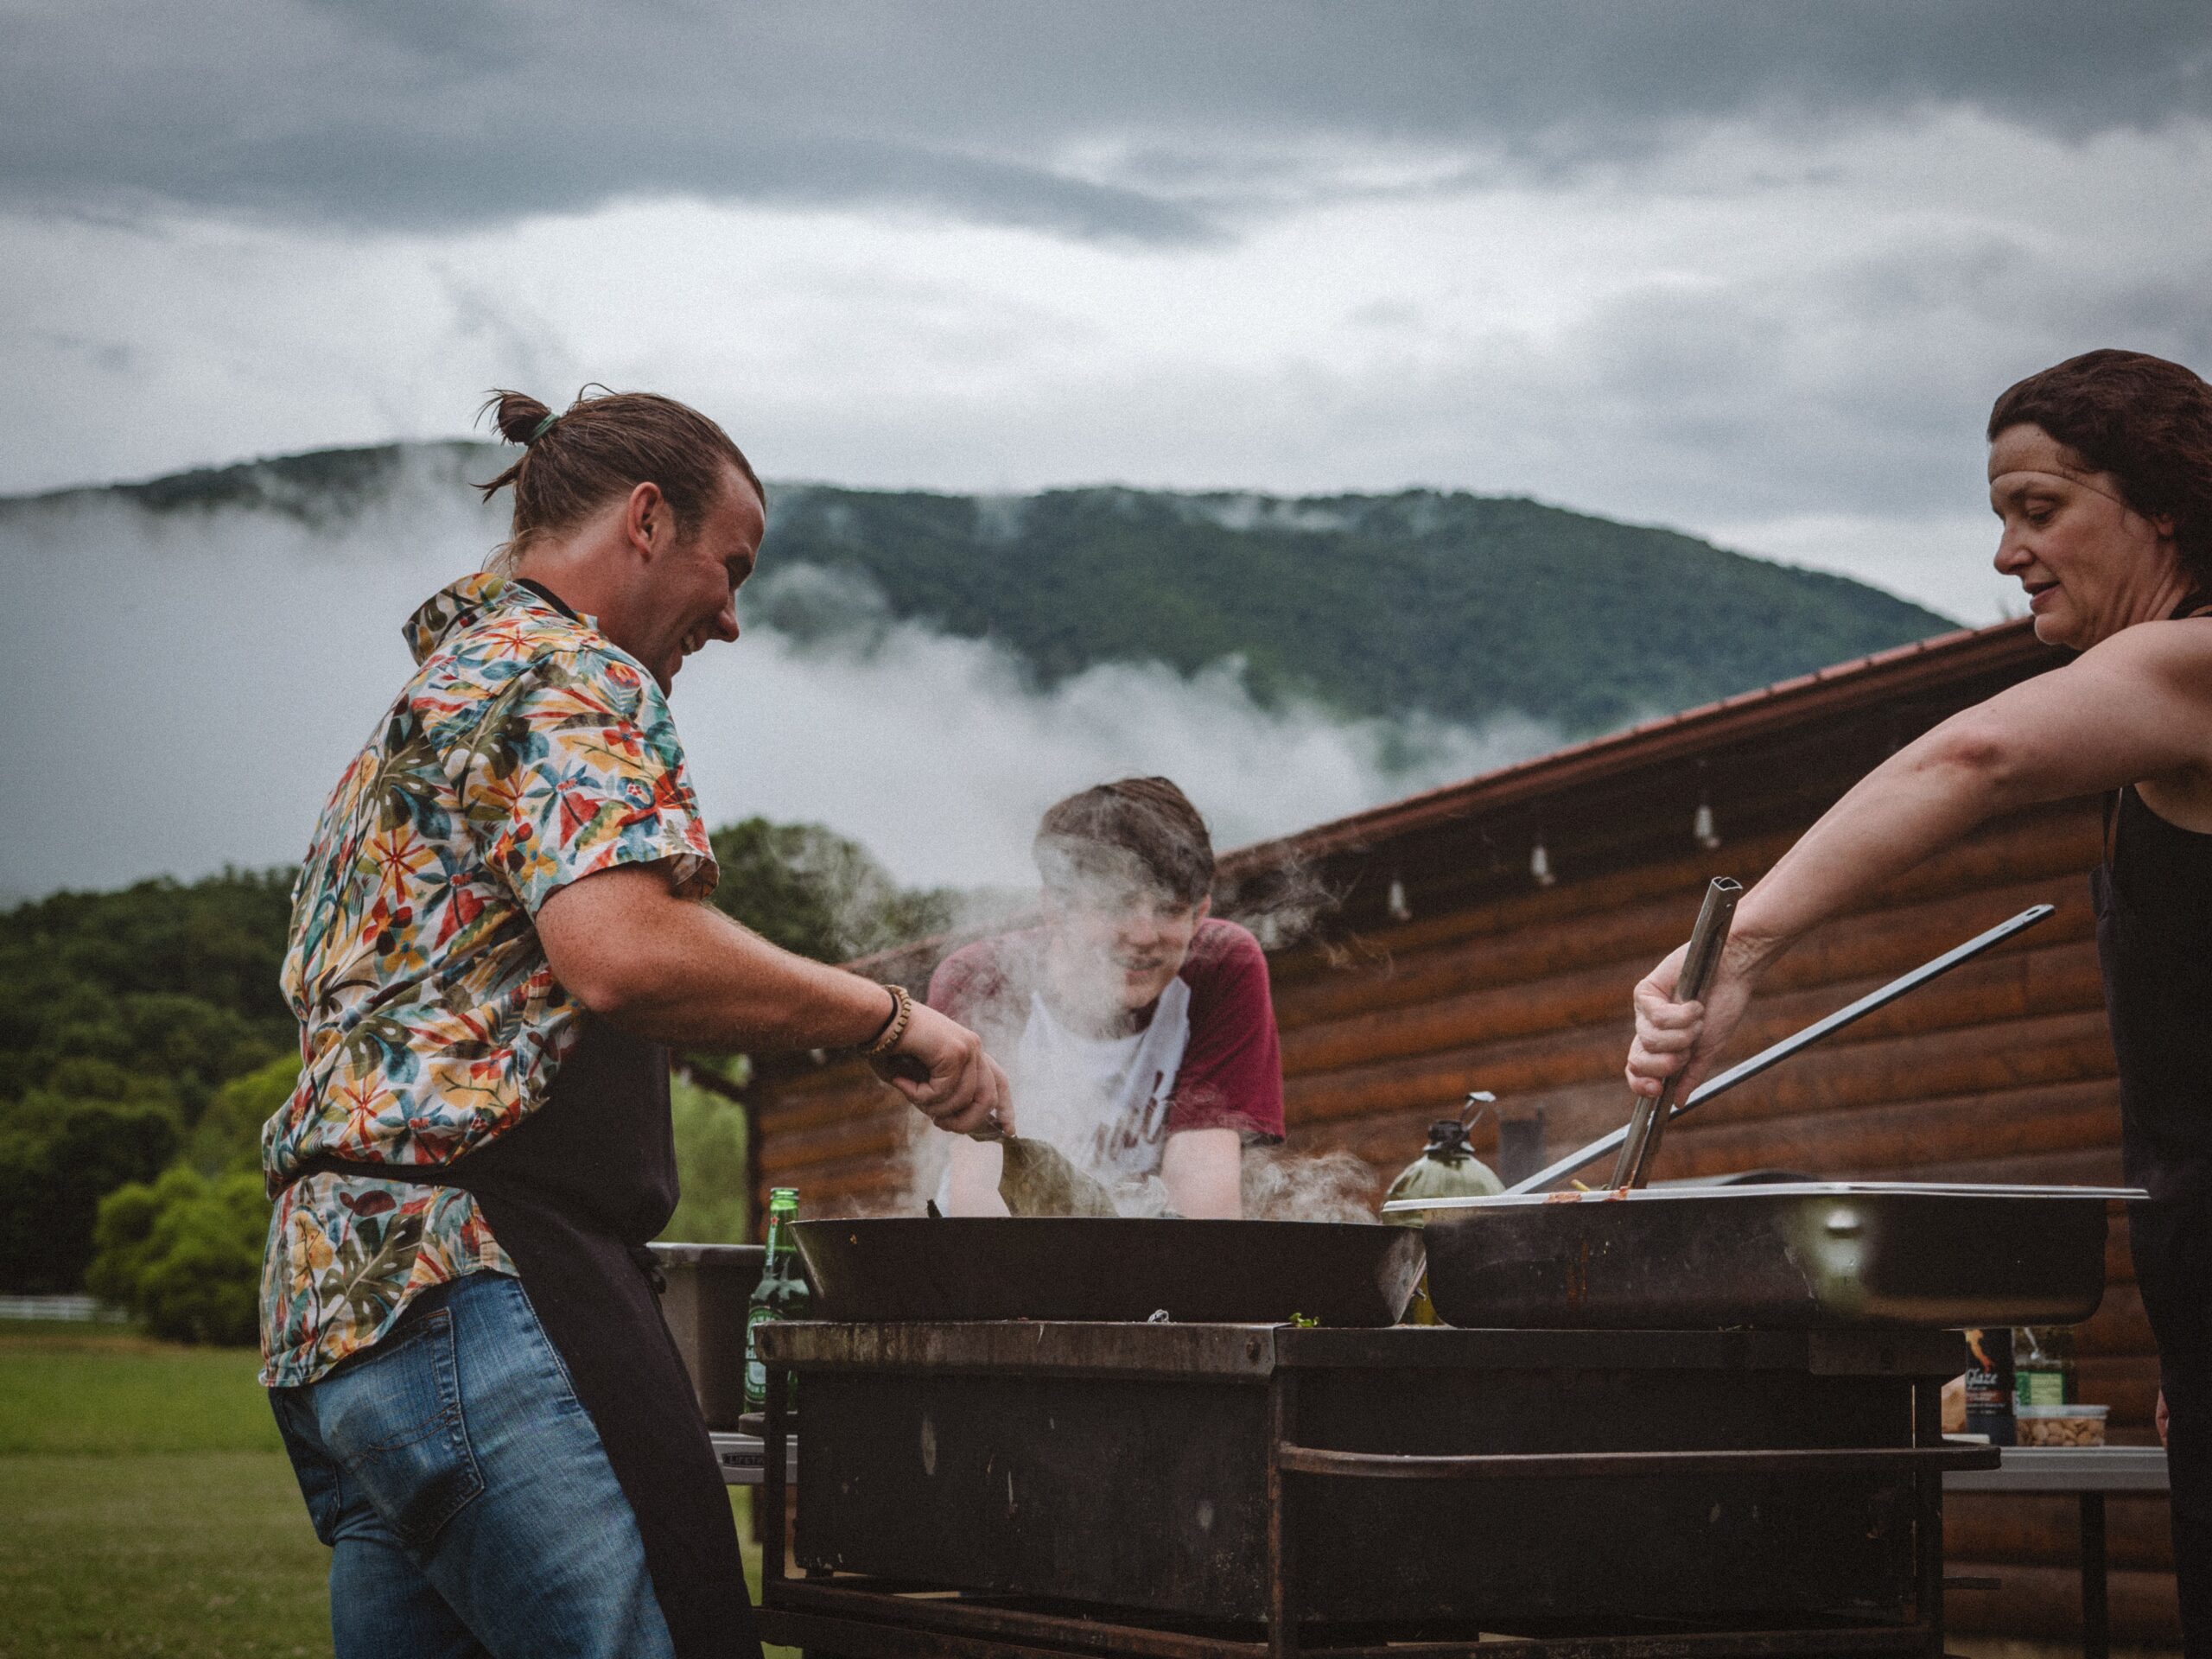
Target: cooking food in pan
point(1094, 1268)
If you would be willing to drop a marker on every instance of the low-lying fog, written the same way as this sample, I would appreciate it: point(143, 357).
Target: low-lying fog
point(183, 687)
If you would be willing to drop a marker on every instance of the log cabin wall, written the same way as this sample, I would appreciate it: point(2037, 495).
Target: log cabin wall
point(1443, 963)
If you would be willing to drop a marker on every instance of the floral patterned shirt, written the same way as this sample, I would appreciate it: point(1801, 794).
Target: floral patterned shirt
point(526, 752)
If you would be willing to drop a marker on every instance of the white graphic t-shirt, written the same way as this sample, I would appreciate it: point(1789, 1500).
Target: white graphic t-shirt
point(1204, 1055)
point(1103, 1101)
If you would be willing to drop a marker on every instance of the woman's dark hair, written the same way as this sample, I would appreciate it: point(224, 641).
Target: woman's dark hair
point(603, 446)
point(1143, 827)
point(2144, 420)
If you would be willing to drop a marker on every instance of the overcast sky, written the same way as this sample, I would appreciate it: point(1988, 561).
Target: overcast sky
point(1755, 269)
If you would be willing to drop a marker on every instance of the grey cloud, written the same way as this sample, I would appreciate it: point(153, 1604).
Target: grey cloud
point(109, 357)
point(483, 35)
point(1858, 391)
point(1863, 391)
point(1139, 120)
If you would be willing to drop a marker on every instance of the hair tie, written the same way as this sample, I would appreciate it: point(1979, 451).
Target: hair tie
point(542, 428)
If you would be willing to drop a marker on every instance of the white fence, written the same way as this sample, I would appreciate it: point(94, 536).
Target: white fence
point(82, 1310)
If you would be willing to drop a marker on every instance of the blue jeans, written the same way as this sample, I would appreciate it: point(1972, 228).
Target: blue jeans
point(468, 1505)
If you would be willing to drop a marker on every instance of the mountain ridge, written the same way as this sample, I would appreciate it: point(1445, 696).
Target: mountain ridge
point(1444, 604)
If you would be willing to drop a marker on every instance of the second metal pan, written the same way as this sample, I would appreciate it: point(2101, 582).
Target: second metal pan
point(1110, 1269)
point(1820, 1254)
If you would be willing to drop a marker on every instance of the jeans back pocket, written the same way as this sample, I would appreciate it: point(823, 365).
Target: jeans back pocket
point(393, 1420)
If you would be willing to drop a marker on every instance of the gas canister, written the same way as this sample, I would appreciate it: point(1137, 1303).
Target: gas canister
point(1447, 1168)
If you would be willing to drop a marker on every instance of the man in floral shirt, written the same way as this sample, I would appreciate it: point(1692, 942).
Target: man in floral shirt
point(526, 753)
point(496, 926)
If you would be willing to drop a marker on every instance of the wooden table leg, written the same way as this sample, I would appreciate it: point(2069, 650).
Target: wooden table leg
point(2096, 1610)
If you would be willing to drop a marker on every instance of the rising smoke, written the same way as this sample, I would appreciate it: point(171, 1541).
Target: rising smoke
point(1282, 1184)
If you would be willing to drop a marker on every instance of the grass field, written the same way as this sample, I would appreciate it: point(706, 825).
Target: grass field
point(146, 1505)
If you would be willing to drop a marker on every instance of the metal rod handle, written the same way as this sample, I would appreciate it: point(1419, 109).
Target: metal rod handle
point(1766, 1057)
point(1648, 1120)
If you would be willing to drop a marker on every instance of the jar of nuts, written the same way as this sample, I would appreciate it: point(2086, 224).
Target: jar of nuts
point(2061, 1425)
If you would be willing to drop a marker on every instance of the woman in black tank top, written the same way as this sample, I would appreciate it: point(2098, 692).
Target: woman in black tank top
point(2154, 937)
point(2100, 470)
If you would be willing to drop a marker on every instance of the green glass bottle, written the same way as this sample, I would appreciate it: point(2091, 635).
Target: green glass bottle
point(781, 1294)
point(2043, 1366)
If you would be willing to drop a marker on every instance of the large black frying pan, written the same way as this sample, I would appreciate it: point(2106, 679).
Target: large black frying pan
point(1087, 1267)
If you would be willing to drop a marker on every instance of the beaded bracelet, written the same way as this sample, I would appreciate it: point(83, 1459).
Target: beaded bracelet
point(902, 1014)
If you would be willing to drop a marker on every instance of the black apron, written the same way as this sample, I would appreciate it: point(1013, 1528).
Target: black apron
point(572, 1193)
point(2154, 895)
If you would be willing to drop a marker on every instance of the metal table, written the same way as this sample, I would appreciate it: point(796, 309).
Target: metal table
point(2091, 1473)
point(743, 1460)
point(973, 1493)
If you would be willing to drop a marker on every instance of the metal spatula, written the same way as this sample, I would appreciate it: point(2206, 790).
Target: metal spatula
point(1035, 1180)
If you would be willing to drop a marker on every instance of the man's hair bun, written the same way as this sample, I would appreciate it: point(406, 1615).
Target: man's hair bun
point(599, 450)
point(517, 415)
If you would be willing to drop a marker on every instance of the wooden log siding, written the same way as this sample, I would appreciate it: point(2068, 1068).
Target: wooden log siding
point(2003, 1070)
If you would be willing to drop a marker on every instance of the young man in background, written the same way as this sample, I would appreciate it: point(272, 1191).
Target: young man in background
point(1136, 1030)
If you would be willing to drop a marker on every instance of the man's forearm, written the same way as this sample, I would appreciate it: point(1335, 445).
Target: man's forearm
point(1203, 1170)
point(726, 987)
point(678, 971)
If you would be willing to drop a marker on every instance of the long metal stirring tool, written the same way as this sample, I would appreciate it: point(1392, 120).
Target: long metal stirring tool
point(1648, 1118)
point(1781, 1050)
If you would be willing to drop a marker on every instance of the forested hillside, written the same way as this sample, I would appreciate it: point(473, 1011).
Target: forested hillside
point(123, 1017)
point(1461, 606)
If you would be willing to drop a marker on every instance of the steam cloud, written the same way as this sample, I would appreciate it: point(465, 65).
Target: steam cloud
point(1280, 1185)
point(185, 686)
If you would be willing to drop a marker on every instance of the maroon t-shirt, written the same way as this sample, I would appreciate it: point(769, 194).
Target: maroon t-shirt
point(1231, 1074)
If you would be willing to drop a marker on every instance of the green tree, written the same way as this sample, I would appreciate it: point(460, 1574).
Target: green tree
point(170, 984)
point(227, 1138)
point(122, 1231)
point(184, 1254)
point(58, 1157)
point(124, 1017)
point(710, 1157)
point(815, 892)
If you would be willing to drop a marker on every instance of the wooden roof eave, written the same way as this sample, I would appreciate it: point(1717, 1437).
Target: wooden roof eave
point(1905, 672)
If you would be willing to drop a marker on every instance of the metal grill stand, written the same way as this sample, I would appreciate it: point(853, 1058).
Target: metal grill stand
point(1027, 1490)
